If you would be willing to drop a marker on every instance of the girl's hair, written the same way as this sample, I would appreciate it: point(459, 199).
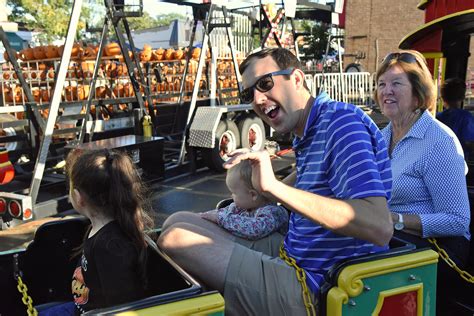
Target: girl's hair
point(418, 74)
point(244, 171)
point(111, 184)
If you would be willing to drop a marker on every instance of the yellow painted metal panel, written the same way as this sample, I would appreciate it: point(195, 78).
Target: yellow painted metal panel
point(199, 306)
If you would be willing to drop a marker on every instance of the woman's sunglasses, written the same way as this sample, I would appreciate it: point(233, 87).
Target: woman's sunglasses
point(405, 57)
point(263, 84)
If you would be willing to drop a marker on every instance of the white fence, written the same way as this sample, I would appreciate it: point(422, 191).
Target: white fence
point(351, 87)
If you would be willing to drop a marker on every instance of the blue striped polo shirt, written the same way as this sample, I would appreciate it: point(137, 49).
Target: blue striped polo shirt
point(342, 155)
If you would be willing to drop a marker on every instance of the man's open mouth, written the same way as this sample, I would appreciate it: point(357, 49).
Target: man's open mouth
point(272, 111)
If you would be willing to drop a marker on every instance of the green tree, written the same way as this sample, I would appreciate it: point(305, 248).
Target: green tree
point(50, 17)
point(316, 42)
point(147, 21)
point(166, 19)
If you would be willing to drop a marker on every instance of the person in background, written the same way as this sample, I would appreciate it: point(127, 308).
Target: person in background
point(105, 187)
point(453, 92)
point(251, 215)
point(337, 197)
point(429, 193)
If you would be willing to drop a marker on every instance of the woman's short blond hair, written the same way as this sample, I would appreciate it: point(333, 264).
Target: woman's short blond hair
point(418, 74)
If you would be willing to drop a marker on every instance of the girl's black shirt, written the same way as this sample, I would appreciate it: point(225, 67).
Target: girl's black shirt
point(108, 272)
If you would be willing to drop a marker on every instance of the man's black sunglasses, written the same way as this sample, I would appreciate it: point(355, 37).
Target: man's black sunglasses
point(263, 84)
point(405, 57)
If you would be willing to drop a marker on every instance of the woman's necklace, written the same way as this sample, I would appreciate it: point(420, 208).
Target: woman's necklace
point(402, 130)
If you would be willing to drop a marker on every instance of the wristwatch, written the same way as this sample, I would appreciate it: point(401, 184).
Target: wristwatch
point(399, 225)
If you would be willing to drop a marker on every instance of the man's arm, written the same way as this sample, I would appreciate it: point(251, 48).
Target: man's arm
point(368, 218)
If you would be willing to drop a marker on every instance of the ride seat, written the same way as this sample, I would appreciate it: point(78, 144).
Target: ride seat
point(47, 266)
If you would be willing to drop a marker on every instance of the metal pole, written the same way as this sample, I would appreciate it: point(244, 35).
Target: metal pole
point(230, 38)
point(202, 59)
point(213, 77)
point(192, 106)
point(82, 133)
point(55, 100)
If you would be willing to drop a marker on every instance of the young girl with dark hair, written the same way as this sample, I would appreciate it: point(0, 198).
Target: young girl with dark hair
point(106, 188)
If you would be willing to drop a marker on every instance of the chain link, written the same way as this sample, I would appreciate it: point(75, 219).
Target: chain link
point(26, 299)
point(443, 254)
point(301, 276)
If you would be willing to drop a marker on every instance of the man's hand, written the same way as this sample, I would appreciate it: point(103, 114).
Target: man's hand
point(263, 177)
point(210, 216)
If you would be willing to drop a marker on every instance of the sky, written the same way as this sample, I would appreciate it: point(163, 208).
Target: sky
point(155, 7)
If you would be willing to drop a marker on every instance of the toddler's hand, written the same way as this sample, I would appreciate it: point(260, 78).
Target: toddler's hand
point(210, 216)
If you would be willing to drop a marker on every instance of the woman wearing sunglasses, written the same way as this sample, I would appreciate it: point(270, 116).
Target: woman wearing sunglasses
point(429, 194)
point(337, 198)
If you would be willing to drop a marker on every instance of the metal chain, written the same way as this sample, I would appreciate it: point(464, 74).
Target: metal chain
point(443, 254)
point(301, 276)
point(26, 299)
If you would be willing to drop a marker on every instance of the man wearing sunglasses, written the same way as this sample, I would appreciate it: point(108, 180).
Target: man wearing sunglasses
point(337, 198)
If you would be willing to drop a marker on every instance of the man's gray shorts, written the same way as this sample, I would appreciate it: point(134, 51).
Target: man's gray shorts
point(259, 283)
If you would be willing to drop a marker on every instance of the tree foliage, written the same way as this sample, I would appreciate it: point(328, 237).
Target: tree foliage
point(50, 18)
point(147, 21)
point(316, 42)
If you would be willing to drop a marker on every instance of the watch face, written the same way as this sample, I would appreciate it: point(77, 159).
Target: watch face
point(399, 226)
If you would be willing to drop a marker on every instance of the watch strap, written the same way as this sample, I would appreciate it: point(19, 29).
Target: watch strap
point(400, 218)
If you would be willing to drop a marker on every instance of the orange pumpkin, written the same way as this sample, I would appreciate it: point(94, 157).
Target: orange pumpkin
point(83, 92)
point(51, 51)
point(45, 95)
point(112, 49)
point(118, 90)
point(51, 73)
point(169, 54)
point(70, 92)
point(5, 55)
point(36, 94)
point(121, 69)
point(89, 52)
point(100, 92)
point(157, 54)
point(27, 54)
point(128, 90)
point(145, 55)
point(39, 53)
point(196, 53)
point(60, 50)
point(18, 93)
point(7, 92)
point(178, 54)
point(76, 51)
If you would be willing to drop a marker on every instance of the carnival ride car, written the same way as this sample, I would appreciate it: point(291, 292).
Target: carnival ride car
point(390, 283)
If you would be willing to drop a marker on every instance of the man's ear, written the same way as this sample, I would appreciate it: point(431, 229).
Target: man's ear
point(299, 78)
